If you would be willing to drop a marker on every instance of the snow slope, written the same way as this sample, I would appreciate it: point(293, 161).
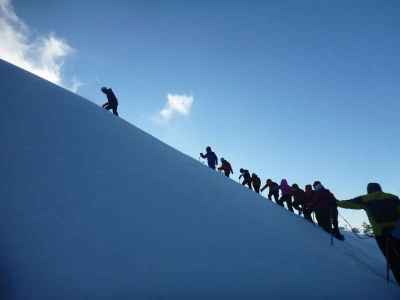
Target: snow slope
point(94, 208)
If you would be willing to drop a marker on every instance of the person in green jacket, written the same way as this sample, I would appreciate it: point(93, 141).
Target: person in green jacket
point(383, 211)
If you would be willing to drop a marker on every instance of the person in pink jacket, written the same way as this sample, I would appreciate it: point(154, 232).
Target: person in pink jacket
point(286, 195)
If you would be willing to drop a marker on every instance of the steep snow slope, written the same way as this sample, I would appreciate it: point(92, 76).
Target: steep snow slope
point(94, 208)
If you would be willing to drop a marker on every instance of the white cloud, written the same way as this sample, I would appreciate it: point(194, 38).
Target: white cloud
point(41, 55)
point(75, 84)
point(177, 105)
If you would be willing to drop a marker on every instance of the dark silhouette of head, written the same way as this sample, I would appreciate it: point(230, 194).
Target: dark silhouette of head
point(254, 175)
point(295, 186)
point(317, 185)
point(104, 89)
point(308, 188)
point(373, 187)
point(241, 170)
point(208, 149)
point(269, 181)
point(222, 160)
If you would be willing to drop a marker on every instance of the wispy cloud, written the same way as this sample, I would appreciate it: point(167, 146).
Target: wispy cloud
point(75, 84)
point(41, 55)
point(177, 105)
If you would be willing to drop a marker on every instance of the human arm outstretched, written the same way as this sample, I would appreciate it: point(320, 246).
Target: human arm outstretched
point(355, 203)
point(263, 188)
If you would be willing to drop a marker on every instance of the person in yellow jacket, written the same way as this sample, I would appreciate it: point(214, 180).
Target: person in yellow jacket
point(383, 211)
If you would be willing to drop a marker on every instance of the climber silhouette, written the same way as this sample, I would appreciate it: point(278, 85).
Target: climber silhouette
point(212, 159)
point(307, 202)
point(112, 101)
point(246, 177)
point(225, 167)
point(383, 211)
point(273, 190)
point(286, 196)
point(298, 198)
point(325, 207)
point(256, 182)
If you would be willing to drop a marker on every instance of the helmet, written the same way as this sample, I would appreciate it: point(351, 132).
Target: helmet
point(222, 159)
point(208, 149)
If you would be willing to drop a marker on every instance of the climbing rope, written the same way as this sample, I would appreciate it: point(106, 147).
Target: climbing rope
point(352, 230)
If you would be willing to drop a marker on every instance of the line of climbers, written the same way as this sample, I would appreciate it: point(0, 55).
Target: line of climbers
point(383, 209)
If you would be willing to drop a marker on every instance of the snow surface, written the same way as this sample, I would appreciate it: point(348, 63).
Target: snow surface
point(94, 208)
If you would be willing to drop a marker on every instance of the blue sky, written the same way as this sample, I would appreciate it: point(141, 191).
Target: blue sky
point(304, 90)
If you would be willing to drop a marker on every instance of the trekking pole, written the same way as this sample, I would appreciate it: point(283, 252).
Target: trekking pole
point(331, 224)
point(387, 260)
point(351, 227)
